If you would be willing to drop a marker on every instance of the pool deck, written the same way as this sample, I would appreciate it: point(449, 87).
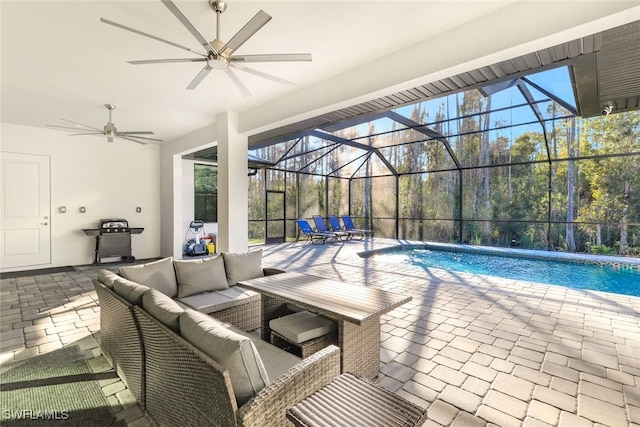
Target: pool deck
point(475, 350)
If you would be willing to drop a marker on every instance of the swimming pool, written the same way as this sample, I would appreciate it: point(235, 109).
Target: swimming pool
point(601, 276)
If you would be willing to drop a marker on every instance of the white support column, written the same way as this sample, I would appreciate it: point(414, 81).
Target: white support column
point(233, 204)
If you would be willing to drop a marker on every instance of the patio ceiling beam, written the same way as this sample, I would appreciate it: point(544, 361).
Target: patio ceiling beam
point(354, 144)
point(286, 153)
point(528, 96)
point(332, 149)
point(366, 154)
point(293, 156)
point(426, 131)
point(557, 99)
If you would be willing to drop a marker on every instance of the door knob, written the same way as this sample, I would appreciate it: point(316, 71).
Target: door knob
point(44, 223)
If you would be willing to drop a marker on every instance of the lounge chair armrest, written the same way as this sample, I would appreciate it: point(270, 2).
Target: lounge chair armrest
point(269, 406)
point(271, 271)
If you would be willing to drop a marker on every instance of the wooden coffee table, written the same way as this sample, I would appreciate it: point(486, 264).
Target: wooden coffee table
point(356, 310)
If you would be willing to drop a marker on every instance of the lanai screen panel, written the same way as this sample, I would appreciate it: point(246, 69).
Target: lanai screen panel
point(427, 205)
point(311, 195)
point(338, 196)
point(384, 206)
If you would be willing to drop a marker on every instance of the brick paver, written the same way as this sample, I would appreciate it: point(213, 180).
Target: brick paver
point(474, 350)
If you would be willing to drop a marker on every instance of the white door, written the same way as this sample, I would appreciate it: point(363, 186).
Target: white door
point(24, 206)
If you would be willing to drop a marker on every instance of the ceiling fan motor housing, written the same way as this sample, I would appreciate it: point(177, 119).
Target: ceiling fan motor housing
point(218, 6)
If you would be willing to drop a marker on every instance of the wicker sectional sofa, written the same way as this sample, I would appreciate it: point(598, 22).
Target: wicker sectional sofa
point(186, 367)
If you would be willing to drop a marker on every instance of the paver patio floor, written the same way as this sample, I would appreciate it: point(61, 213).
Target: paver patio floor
point(475, 350)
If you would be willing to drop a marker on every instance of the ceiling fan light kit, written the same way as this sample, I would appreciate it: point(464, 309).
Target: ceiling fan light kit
point(220, 55)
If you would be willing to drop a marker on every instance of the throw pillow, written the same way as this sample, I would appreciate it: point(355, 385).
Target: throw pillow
point(201, 275)
point(243, 266)
point(237, 353)
point(130, 291)
point(157, 275)
point(163, 308)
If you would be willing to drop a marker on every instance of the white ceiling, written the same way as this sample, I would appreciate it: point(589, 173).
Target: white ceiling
point(59, 61)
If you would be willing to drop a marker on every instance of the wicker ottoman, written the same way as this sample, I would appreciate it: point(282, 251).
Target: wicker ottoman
point(302, 333)
point(353, 401)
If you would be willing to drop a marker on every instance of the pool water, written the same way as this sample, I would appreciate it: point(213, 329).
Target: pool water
point(595, 277)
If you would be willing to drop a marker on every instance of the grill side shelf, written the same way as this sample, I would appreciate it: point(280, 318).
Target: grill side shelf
point(91, 231)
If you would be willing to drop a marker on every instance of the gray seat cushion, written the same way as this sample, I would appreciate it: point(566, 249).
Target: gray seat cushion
point(302, 326)
point(236, 352)
point(275, 360)
point(210, 302)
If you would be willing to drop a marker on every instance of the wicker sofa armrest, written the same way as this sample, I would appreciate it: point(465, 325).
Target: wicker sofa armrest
point(269, 406)
point(271, 271)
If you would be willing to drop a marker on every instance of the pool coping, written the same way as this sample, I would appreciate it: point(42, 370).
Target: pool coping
point(617, 261)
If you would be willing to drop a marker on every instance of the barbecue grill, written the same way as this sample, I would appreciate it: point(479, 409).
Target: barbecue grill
point(113, 239)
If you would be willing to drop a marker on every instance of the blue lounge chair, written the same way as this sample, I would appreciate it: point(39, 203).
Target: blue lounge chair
point(348, 225)
point(322, 228)
point(314, 236)
point(334, 224)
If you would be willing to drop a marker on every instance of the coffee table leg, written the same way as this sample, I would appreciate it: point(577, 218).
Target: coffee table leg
point(360, 347)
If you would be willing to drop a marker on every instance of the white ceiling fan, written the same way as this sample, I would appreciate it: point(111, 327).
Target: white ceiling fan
point(109, 130)
point(219, 55)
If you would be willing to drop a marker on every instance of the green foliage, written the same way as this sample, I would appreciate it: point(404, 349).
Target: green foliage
point(602, 250)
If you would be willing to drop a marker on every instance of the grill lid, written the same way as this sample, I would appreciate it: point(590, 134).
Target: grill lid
point(113, 223)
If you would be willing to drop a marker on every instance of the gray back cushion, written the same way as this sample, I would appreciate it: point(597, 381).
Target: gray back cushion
point(107, 277)
point(163, 308)
point(235, 352)
point(157, 275)
point(130, 291)
point(243, 266)
point(200, 275)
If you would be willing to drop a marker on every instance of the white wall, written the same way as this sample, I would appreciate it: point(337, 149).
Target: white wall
point(109, 179)
point(175, 198)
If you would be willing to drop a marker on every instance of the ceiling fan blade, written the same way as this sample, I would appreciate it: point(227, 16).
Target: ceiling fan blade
point(87, 133)
point(262, 74)
point(163, 61)
point(189, 26)
point(250, 28)
point(130, 139)
point(124, 27)
point(136, 132)
point(201, 75)
point(66, 127)
point(274, 57)
point(82, 124)
point(243, 89)
point(142, 138)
